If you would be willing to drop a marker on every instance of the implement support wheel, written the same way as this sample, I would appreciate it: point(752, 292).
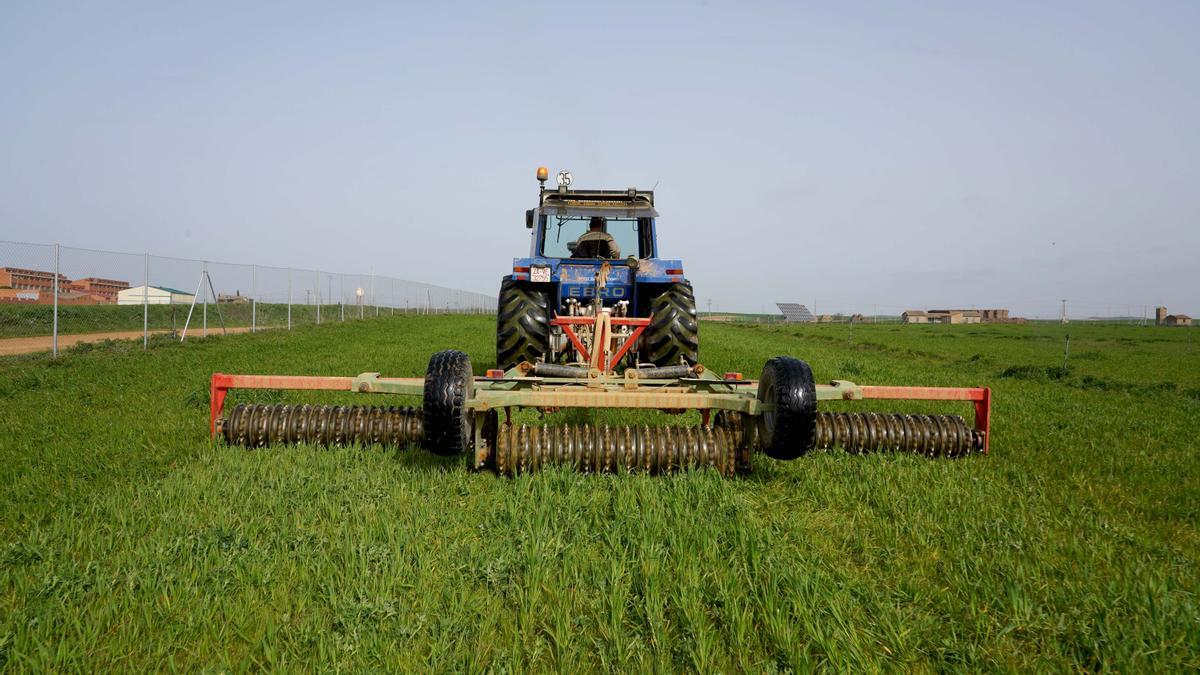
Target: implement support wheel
point(449, 383)
point(789, 430)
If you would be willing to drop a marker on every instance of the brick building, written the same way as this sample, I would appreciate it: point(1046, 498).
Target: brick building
point(30, 280)
point(1161, 318)
point(105, 290)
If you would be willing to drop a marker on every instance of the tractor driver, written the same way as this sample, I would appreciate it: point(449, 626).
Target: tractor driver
point(596, 242)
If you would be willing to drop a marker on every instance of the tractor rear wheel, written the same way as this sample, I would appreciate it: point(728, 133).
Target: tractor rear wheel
point(522, 324)
point(674, 331)
point(790, 429)
point(449, 382)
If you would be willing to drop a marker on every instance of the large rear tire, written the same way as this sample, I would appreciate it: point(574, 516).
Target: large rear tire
point(790, 429)
point(674, 331)
point(522, 324)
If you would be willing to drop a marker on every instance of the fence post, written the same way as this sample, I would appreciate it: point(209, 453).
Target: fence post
point(253, 298)
point(204, 290)
point(146, 305)
point(374, 298)
point(289, 298)
point(54, 339)
point(341, 297)
point(318, 291)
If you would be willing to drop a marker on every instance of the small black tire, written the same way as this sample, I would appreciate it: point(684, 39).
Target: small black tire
point(674, 330)
point(522, 324)
point(788, 431)
point(448, 422)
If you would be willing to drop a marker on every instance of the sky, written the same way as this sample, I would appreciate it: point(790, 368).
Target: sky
point(853, 156)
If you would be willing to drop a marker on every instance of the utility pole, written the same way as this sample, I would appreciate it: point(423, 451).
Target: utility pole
point(146, 304)
point(56, 267)
point(1063, 318)
point(203, 277)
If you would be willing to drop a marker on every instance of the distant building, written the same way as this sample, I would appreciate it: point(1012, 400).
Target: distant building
point(72, 298)
point(154, 295)
point(236, 298)
point(959, 316)
point(1161, 318)
point(30, 280)
point(825, 318)
point(89, 291)
point(105, 290)
point(955, 316)
point(19, 296)
point(66, 297)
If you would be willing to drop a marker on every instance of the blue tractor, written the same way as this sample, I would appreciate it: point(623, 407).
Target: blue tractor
point(595, 253)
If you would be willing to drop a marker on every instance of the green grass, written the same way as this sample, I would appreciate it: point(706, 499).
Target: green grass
point(129, 541)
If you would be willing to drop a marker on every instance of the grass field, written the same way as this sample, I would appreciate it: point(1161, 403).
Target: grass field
point(128, 541)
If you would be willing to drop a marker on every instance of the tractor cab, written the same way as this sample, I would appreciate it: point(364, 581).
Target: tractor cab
point(563, 217)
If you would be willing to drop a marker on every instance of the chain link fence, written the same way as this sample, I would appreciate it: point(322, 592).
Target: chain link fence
point(53, 296)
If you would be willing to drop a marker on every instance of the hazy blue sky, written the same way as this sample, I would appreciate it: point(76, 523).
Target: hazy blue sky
point(906, 154)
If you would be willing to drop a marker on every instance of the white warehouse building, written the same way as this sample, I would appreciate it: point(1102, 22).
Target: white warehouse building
point(153, 295)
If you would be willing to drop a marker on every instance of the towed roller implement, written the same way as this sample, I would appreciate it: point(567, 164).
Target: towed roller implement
point(464, 414)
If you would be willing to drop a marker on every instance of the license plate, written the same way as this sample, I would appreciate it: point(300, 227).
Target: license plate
point(539, 274)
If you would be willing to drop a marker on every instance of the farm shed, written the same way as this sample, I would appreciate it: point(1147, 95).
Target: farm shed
point(954, 316)
point(915, 316)
point(154, 295)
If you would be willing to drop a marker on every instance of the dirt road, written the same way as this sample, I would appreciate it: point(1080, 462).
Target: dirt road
point(44, 343)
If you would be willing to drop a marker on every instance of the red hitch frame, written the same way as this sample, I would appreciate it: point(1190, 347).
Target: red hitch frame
point(600, 329)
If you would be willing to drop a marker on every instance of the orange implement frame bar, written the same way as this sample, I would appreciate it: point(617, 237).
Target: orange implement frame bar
point(222, 383)
point(980, 396)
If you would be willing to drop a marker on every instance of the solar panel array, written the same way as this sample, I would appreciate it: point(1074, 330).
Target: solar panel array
point(793, 313)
